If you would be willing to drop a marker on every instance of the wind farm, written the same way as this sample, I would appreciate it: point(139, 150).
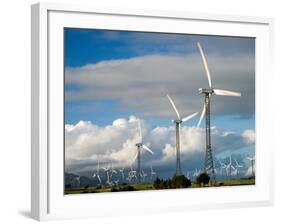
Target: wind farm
point(118, 112)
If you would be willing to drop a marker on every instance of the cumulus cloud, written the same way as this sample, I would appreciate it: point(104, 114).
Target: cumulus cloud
point(86, 143)
point(249, 136)
point(141, 83)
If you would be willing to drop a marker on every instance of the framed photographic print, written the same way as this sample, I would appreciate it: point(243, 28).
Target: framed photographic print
point(164, 111)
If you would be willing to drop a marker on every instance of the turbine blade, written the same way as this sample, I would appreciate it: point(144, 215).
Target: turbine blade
point(202, 115)
point(222, 92)
point(205, 64)
point(140, 133)
point(189, 117)
point(147, 149)
point(174, 106)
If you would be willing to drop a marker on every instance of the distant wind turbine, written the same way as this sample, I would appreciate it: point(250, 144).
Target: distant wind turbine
point(237, 166)
point(140, 147)
point(230, 169)
point(223, 167)
point(152, 173)
point(252, 160)
point(97, 173)
point(77, 178)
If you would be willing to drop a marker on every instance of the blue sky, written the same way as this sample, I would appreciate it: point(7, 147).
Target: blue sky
point(89, 46)
point(112, 75)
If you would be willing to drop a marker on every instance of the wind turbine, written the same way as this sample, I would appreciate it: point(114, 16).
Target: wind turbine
point(252, 160)
point(152, 173)
point(223, 166)
point(143, 175)
point(230, 167)
point(121, 170)
point(97, 174)
point(196, 173)
point(208, 92)
point(237, 165)
point(112, 171)
point(140, 146)
point(107, 169)
point(132, 174)
point(116, 182)
point(178, 121)
point(78, 180)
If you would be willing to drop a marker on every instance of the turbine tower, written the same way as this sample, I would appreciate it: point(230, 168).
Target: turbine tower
point(209, 161)
point(140, 146)
point(178, 121)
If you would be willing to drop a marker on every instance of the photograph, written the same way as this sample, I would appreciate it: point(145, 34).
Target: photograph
point(152, 111)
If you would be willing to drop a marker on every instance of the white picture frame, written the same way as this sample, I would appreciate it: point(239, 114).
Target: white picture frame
point(48, 201)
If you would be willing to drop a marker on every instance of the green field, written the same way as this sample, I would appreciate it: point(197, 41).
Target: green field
point(149, 186)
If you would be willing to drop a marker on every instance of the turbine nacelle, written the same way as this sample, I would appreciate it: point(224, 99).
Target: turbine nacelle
point(177, 121)
point(206, 91)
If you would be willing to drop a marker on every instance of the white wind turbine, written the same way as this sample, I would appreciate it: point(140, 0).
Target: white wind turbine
point(223, 167)
point(208, 92)
point(196, 173)
point(116, 182)
point(178, 121)
point(252, 160)
point(112, 171)
point(107, 170)
point(143, 175)
point(152, 173)
point(230, 169)
point(140, 147)
point(97, 173)
point(132, 174)
point(78, 180)
point(237, 166)
point(121, 170)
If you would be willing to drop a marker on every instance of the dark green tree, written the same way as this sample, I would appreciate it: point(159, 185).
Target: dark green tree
point(180, 182)
point(203, 179)
point(157, 183)
point(175, 182)
point(68, 186)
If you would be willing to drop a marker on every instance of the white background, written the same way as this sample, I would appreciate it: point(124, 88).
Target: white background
point(15, 110)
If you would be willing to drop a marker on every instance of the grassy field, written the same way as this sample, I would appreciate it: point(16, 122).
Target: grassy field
point(149, 186)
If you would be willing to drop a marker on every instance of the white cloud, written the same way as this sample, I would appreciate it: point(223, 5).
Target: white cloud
point(86, 142)
point(249, 136)
point(169, 152)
